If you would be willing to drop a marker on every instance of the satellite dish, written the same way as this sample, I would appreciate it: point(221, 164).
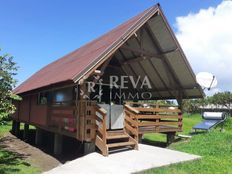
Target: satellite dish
point(206, 80)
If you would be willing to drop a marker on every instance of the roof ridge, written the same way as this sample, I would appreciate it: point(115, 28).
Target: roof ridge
point(126, 33)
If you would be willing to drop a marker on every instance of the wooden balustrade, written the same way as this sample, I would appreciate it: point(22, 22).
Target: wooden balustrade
point(152, 118)
point(101, 140)
point(131, 122)
point(86, 120)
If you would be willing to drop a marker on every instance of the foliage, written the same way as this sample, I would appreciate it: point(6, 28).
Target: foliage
point(220, 99)
point(223, 99)
point(160, 102)
point(8, 70)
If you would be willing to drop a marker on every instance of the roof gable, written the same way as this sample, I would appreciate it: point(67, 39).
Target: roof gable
point(75, 64)
point(159, 57)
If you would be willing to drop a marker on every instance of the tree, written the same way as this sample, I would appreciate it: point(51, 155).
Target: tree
point(8, 70)
point(223, 99)
point(192, 105)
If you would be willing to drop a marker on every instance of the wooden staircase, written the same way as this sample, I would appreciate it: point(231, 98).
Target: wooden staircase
point(116, 141)
point(119, 138)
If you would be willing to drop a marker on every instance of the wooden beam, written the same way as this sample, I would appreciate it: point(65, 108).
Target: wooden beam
point(147, 54)
point(166, 63)
point(143, 57)
point(145, 72)
point(156, 71)
point(140, 51)
point(130, 67)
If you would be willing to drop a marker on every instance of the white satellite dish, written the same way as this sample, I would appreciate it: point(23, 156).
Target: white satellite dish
point(206, 80)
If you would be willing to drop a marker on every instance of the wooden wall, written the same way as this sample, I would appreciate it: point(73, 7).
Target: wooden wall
point(38, 114)
point(24, 109)
point(28, 111)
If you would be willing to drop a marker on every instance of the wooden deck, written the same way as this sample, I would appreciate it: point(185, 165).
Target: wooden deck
point(87, 122)
point(141, 119)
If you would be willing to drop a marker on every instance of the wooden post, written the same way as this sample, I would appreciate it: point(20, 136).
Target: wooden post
point(38, 136)
point(140, 138)
point(13, 129)
point(17, 128)
point(179, 100)
point(58, 142)
point(26, 132)
point(82, 111)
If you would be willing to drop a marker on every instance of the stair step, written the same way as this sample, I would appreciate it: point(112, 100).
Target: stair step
point(117, 136)
point(129, 143)
point(115, 132)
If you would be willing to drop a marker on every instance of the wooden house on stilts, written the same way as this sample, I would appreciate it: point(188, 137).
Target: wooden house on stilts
point(94, 93)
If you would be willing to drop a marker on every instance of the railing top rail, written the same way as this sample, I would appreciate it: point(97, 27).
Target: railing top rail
point(151, 105)
point(131, 109)
point(158, 110)
point(100, 109)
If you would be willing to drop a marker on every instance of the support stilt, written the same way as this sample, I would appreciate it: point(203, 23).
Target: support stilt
point(58, 141)
point(38, 136)
point(17, 129)
point(13, 127)
point(26, 132)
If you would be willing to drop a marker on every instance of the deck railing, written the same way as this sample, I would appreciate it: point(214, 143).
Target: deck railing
point(131, 122)
point(140, 119)
point(86, 120)
point(101, 140)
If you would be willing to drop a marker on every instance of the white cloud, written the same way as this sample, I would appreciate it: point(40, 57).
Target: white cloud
point(206, 38)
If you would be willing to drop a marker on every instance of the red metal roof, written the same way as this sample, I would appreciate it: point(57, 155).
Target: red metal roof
point(78, 61)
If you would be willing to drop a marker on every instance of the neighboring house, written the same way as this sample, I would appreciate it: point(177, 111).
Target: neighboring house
point(216, 108)
point(75, 95)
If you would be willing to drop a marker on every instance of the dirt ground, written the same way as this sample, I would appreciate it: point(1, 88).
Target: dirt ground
point(41, 156)
point(31, 154)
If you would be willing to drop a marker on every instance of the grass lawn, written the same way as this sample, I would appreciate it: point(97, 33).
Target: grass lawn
point(12, 162)
point(215, 147)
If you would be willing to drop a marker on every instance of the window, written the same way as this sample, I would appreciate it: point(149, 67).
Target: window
point(63, 96)
point(43, 98)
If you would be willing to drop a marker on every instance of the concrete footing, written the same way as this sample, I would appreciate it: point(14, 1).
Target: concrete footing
point(58, 142)
point(38, 136)
point(140, 138)
point(89, 147)
point(170, 137)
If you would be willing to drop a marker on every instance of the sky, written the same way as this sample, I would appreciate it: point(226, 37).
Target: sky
point(39, 32)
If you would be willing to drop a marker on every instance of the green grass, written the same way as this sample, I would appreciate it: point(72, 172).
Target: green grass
point(5, 128)
point(215, 147)
point(13, 162)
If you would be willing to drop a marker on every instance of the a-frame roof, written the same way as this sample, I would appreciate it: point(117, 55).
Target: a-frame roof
point(75, 65)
